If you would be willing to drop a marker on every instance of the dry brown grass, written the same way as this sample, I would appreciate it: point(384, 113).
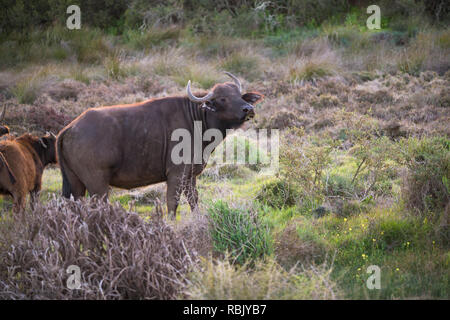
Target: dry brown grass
point(194, 229)
point(318, 62)
point(291, 250)
point(267, 280)
point(119, 254)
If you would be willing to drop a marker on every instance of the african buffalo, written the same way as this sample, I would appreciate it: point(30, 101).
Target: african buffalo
point(3, 129)
point(129, 146)
point(22, 163)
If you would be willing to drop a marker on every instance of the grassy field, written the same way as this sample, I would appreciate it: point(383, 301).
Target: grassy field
point(364, 174)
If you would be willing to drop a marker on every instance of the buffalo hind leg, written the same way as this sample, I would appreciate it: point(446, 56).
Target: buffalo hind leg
point(78, 190)
point(74, 186)
point(98, 185)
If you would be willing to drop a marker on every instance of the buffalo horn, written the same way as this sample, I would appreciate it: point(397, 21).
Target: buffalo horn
point(194, 98)
point(235, 80)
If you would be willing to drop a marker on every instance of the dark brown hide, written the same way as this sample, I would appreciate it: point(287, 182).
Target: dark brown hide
point(129, 146)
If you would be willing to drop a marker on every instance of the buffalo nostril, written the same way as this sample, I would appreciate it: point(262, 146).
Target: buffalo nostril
point(247, 109)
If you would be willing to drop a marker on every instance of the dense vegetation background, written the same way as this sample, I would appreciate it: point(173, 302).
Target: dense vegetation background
point(364, 173)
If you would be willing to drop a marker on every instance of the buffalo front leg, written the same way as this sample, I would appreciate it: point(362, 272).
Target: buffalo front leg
point(174, 188)
point(191, 193)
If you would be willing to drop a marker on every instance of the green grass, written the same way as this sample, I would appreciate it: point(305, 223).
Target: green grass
point(402, 247)
point(149, 39)
point(239, 232)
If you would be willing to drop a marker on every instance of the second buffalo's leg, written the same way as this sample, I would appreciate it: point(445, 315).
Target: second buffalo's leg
point(19, 202)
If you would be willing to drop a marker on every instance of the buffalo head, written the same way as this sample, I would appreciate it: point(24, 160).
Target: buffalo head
point(227, 101)
point(48, 148)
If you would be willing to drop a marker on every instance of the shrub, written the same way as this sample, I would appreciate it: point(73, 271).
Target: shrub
point(119, 254)
point(27, 89)
point(278, 194)
point(195, 232)
point(230, 171)
point(372, 153)
point(239, 232)
point(43, 118)
point(426, 184)
point(303, 162)
point(374, 167)
point(144, 14)
point(114, 67)
point(266, 280)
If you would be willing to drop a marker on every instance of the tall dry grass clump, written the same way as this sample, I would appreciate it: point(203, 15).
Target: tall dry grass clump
point(315, 61)
point(267, 280)
point(120, 256)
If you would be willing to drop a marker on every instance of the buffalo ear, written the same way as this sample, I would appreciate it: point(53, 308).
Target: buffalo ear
point(252, 97)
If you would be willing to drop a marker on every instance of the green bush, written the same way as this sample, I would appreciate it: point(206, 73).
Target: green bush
point(303, 163)
point(27, 15)
point(426, 184)
point(238, 232)
point(145, 14)
point(278, 194)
